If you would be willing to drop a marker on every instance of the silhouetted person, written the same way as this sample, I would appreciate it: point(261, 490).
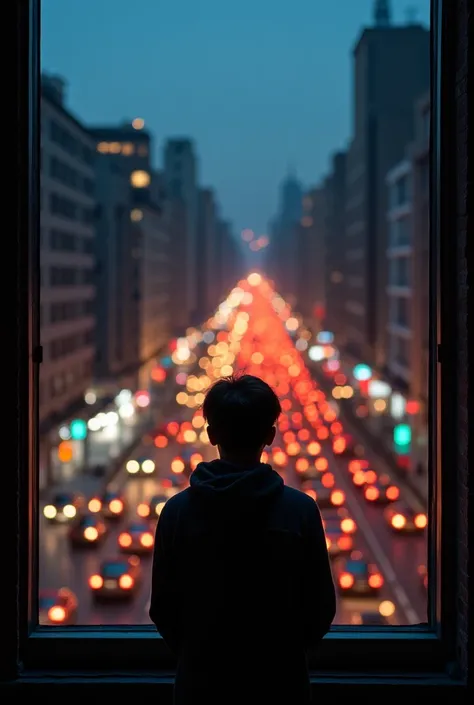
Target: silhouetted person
point(242, 586)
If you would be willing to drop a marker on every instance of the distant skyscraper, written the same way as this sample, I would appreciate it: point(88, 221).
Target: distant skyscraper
point(311, 240)
point(283, 255)
point(335, 259)
point(208, 235)
point(382, 13)
point(180, 177)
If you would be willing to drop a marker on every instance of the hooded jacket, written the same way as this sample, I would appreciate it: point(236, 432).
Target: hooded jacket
point(241, 586)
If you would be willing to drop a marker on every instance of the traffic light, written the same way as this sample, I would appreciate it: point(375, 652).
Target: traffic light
point(78, 429)
point(402, 438)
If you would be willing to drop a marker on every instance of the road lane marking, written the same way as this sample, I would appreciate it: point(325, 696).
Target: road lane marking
point(377, 550)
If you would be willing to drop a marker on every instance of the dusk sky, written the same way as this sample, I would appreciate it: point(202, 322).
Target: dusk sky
point(258, 84)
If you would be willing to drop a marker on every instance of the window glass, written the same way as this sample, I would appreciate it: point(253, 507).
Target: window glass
point(244, 190)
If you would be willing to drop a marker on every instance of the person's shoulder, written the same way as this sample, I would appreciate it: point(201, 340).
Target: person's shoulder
point(297, 498)
point(177, 502)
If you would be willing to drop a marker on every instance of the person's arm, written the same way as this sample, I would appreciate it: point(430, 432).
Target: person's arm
point(164, 602)
point(319, 584)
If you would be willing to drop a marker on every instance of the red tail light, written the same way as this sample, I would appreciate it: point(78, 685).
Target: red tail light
point(57, 614)
point(375, 581)
point(96, 582)
point(346, 580)
point(125, 540)
point(126, 582)
point(345, 543)
point(421, 521)
point(146, 540)
point(372, 493)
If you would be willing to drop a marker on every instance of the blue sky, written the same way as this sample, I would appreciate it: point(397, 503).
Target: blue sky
point(258, 84)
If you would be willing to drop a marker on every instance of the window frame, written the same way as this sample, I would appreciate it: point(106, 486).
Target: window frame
point(428, 650)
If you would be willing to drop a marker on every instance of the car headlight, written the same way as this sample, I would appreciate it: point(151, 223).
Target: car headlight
point(148, 466)
point(49, 511)
point(69, 511)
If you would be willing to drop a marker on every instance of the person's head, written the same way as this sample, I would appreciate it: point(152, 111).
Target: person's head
point(241, 413)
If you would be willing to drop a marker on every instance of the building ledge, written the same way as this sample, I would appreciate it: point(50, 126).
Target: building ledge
point(148, 685)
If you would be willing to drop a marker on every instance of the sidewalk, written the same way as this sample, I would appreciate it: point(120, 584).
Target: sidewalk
point(88, 484)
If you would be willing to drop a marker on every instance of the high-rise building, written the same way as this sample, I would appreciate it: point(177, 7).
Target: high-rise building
point(336, 270)
point(152, 240)
point(126, 149)
point(118, 288)
point(207, 264)
point(400, 274)
point(230, 259)
point(310, 243)
point(67, 236)
point(283, 250)
point(391, 68)
point(408, 285)
point(180, 178)
point(420, 155)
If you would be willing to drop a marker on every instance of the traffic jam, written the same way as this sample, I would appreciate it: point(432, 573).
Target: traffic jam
point(96, 549)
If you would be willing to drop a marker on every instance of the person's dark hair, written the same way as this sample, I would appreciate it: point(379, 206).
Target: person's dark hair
point(241, 411)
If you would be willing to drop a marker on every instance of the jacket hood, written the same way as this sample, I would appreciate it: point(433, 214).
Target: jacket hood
point(228, 489)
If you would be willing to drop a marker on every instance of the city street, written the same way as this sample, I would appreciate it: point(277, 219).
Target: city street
point(397, 557)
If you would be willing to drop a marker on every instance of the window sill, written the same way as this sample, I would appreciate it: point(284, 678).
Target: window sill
point(141, 685)
point(407, 650)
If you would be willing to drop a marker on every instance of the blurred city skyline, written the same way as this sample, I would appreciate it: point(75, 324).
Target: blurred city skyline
point(253, 112)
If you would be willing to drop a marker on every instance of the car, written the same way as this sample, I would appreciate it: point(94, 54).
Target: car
point(355, 576)
point(402, 519)
point(305, 469)
point(64, 507)
point(117, 578)
point(57, 607)
point(89, 530)
point(136, 538)
point(345, 446)
point(326, 497)
point(382, 491)
point(141, 467)
point(152, 509)
point(338, 543)
point(110, 504)
point(341, 514)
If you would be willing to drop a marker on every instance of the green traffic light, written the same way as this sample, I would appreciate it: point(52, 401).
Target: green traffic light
point(402, 435)
point(78, 429)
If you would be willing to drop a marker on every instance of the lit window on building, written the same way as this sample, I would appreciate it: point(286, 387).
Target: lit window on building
point(128, 149)
point(143, 150)
point(140, 178)
point(115, 147)
point(103, 147)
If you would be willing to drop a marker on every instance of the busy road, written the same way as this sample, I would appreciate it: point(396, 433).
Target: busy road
point(375, 527)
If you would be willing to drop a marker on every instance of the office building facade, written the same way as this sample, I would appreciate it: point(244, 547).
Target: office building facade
point(68, 276)
point(139, 268)
point(391, 69)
